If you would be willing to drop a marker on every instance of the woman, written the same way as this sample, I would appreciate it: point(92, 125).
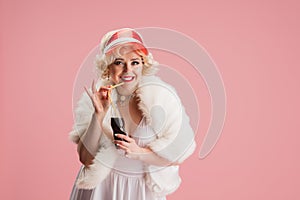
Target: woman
point(142, 162)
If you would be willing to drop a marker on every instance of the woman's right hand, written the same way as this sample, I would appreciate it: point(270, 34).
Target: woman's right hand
point(100, 98)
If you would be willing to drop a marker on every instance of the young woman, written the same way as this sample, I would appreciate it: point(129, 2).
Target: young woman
point(131, 129)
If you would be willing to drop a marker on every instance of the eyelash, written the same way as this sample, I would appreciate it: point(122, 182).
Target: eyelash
point(117, 63)
point(132, 63)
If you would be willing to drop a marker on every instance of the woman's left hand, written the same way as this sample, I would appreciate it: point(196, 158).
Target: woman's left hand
point(132, 150)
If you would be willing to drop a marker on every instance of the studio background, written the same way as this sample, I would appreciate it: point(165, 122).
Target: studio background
point(255, 45)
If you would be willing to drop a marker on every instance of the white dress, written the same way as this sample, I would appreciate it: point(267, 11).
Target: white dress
point(126, 181)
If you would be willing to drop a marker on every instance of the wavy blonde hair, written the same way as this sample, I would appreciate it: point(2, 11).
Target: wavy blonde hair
point(103, 61)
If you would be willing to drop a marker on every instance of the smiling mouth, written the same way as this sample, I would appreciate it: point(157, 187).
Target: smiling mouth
point(127, 78)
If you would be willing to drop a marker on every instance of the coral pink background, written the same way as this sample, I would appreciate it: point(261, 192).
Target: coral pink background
point(254, 43)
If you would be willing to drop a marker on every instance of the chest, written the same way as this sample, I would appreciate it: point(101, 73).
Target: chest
point(132, 117)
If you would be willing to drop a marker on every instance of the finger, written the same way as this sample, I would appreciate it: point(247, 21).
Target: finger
point(103, 94)
point(125, 137)
point(108, 94)
point(104, 89)
point(108, 87)
point(123, 143)
point(88, 92)
point(94, 87)
point(122, 147)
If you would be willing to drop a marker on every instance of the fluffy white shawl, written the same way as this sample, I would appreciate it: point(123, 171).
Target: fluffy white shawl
point(174, 141)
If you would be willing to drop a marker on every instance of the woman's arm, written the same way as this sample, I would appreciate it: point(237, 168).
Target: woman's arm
point(89, 143)
point(139, 153)
point(150, 157)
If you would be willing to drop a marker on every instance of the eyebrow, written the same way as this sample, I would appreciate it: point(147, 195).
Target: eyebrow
point(130, 59)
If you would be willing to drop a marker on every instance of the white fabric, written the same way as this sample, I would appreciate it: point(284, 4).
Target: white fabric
point(126, 181)
point(174, 136)
point(120, 41)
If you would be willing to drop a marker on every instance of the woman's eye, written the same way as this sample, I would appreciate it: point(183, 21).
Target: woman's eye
point(135, 63)
point(118, 63)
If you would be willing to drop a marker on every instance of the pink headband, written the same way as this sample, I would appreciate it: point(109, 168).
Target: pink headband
point(123, 37)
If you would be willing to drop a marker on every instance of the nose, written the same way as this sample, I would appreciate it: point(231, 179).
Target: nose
point(128, 67)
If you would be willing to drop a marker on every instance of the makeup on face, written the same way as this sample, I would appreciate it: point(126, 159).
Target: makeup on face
point(127, 69)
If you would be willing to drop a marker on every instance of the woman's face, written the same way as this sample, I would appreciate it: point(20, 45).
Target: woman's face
point(128, 69)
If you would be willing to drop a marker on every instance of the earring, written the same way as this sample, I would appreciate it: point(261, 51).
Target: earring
point(107, 72)
point(142, 60)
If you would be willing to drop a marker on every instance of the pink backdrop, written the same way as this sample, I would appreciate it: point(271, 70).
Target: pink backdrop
point(254, 44)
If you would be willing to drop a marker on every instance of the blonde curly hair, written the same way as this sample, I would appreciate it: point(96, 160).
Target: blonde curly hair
point(103, 61)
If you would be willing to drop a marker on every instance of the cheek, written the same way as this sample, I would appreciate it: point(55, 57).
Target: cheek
point(138, 71)
point(114, 76)
point(115, 72)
